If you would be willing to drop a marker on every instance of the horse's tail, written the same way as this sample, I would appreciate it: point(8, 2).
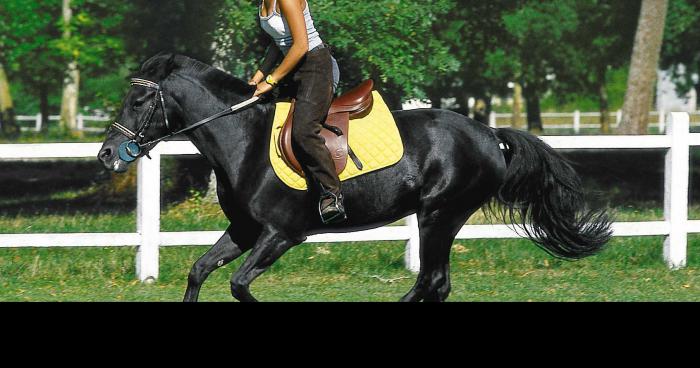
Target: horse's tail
point(542, 194)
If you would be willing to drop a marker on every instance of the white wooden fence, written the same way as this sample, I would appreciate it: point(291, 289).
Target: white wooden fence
point(149, 237)
point(576, 118)
point(38, 122)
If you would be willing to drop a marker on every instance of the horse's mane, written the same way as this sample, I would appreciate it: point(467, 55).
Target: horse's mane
point(160, 66)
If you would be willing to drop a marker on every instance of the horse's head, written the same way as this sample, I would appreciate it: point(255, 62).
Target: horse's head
point(143, 117)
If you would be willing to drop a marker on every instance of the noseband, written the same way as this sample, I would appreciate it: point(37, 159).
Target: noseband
point(133, 148)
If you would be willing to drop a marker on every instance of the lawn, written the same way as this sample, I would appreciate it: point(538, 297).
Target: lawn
point(630, 269)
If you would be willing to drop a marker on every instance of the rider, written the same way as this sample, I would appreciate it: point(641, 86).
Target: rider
point(314, 77)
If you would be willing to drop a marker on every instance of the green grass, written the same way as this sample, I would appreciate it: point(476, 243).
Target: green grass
point(630, 269)
point(194, 214)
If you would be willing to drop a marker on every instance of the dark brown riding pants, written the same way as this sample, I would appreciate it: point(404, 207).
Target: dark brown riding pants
point(312, 86)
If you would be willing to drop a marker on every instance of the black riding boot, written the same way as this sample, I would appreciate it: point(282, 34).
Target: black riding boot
point(330, 207)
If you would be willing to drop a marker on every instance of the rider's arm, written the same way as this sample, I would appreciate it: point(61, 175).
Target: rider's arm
point(272, 57)
point(292, 11)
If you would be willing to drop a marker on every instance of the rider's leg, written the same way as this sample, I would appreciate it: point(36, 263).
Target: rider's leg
point(313, 99)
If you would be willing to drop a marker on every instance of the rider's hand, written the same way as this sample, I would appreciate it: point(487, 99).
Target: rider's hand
point(263, 87)
point(257, 78)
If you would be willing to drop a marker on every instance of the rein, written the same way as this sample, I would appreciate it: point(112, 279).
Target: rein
point(130, 150)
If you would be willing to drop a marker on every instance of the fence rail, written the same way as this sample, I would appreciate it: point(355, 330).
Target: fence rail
point(494, 119)
point(82, 119)
point(149, 237)
point(576, 117)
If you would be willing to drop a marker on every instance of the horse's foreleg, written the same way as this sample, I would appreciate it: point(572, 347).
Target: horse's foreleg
point(224, 251)
point(268, 249)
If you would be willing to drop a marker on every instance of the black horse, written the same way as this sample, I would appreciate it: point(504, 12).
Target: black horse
point(452, 166)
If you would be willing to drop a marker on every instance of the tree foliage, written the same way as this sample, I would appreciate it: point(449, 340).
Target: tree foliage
point(475, 37)
point(681, 40)
point(537, 30)
point(413, 49)
point(387, 40)
point(35, 54)
point(184, 26)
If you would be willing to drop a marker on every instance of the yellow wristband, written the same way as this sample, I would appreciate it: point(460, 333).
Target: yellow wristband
point(270, 80)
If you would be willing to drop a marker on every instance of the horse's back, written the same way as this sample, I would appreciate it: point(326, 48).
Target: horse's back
point(445, 154)
point(445, 132)
point(457, 158)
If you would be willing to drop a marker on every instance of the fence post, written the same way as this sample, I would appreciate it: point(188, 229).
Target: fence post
point(662, 121)
point(577, 122)
point(492, 120)
point(618, 118)
point(412, 254)
point(81, 122)
point(38, 122)
point(148, 217)
point(676, 190)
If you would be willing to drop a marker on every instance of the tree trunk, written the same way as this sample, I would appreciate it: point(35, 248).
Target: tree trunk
point(71, 82)
point(393, 100)
point(8, 124)
point(435, 98)
point(534, 116)
point(482, 107)
point(516, 120)
point(44, 107)
point(604, 106)
point(643, 66)
point(462, 97)
point(212, 196)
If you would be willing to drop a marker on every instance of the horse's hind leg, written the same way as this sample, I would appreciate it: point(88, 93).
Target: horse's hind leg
point(437, 232)
point(224, 251)
point(269, 248)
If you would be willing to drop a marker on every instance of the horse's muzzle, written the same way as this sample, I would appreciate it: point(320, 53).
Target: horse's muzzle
point(111, 161)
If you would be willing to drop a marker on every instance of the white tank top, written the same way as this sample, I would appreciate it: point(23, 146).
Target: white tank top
point(276, 26)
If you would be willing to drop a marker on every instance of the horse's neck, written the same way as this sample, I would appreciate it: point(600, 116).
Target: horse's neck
point(232, 144)
point(230, 140)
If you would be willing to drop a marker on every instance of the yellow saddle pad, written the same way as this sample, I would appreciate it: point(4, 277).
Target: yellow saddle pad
point(375, 139)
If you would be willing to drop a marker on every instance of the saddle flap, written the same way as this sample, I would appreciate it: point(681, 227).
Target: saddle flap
point(336, 145)
point(375, 140)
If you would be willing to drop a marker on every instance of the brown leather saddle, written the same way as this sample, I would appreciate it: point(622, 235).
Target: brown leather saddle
point(356, 103)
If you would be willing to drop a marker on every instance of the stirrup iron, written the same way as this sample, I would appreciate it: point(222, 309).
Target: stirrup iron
point(338, 209)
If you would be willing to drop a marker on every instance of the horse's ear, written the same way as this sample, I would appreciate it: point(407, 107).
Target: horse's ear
point(160, 66)
point(169, 66)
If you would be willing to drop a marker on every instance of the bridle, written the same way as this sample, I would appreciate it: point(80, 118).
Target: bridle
point(134, 148)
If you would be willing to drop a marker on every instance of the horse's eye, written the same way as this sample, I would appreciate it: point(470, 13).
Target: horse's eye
point(138, 103)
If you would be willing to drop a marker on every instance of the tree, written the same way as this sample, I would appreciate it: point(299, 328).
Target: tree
point(91, 44)
point(28, 53)
point(680, 52)
point(185, 26)
point(8, 124)
point(472, 33)
point(537, 32)
point(643, 67)
point(36, 52)
point(71, 81)
point(603, 41)
point(389, 41)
